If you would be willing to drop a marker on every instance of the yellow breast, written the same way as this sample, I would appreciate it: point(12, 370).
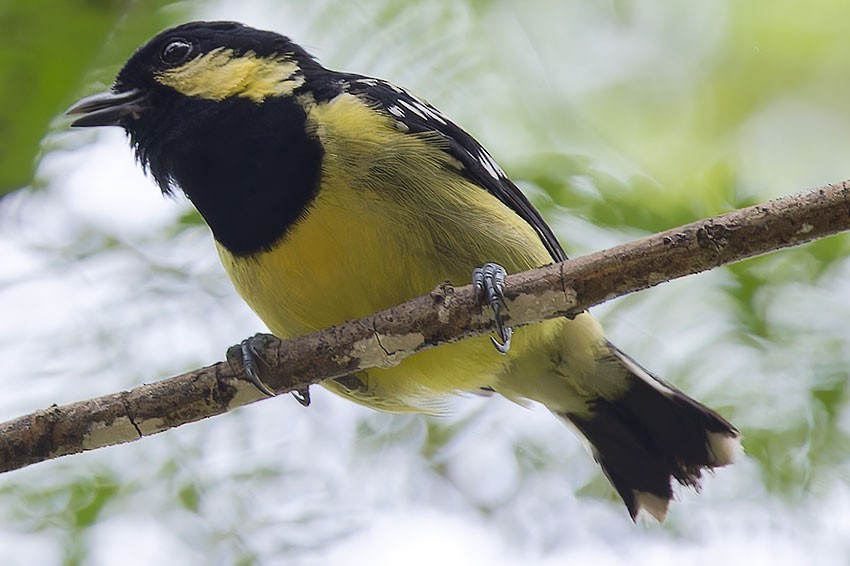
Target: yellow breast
point(392, 220)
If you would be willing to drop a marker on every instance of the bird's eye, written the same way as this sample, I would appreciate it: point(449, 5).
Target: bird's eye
point(176, 52)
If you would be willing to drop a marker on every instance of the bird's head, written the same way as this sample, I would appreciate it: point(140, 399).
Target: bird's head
point(219, 111)
point(212, 61)
point(187, 77)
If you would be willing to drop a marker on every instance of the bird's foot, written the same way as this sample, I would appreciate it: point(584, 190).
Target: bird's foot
point(489, 283)
point(250, 361)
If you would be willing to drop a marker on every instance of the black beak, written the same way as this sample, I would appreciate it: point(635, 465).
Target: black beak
point(108, 108)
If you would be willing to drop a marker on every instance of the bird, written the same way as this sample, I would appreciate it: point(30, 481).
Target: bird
point(332, 195)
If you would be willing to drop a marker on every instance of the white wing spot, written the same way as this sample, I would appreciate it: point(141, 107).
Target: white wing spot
point(416, 109)
point(425, 111)
point(368, 82)
point(396, 111)
point(490, 165)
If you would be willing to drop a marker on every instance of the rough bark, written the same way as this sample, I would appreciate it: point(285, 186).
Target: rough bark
point(448, 313)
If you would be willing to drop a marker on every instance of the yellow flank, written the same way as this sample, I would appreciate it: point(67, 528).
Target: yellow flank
point(393, 219)
point(220, 74)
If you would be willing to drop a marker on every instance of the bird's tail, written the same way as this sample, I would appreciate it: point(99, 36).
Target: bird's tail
point(652, 434)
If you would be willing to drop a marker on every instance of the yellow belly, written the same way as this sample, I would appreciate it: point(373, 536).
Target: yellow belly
point(348, 260)
point(368, 242)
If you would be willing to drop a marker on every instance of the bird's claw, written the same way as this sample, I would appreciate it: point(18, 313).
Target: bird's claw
point(489, 284)
point(302, 396)
point(250, 355)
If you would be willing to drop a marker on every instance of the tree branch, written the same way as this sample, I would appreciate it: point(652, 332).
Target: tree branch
point(446, 314)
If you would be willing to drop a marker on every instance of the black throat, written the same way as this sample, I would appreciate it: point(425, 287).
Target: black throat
point(250, 169)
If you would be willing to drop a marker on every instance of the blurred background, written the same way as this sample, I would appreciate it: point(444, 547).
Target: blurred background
point(618, 119)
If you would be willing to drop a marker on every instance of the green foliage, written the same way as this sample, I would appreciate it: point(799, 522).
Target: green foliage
point(46, 50)
point(69, 507)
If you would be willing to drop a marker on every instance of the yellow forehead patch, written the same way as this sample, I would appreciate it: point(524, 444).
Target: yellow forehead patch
point(221, 74)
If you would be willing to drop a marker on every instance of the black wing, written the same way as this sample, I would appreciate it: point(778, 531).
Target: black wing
point(478, 165)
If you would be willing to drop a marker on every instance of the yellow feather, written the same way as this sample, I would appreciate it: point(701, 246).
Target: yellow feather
point(220, 74)
point(393, 219)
